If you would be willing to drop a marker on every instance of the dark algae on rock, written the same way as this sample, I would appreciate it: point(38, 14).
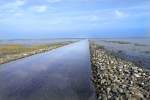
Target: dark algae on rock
point(118, 79)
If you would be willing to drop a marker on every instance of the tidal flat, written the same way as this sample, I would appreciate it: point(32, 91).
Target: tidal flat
point(136, 50)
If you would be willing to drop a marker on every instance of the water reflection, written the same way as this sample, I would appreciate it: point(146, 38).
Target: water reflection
point(61, 74)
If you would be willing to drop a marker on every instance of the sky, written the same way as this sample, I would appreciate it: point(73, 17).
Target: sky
point(36, 19)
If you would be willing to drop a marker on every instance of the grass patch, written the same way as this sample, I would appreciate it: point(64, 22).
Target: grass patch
point(9, 52)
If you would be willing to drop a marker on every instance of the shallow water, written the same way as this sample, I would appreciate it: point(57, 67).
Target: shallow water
point(61, 74)
point(136, 50)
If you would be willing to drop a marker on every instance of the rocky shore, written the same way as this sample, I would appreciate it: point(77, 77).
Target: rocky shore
point(118, 79)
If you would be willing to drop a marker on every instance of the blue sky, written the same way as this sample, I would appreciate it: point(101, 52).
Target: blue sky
point(73, 18)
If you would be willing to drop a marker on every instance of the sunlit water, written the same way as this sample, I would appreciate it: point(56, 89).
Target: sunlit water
point(61, 74)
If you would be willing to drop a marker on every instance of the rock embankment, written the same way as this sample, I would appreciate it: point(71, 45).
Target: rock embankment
point(118, 79)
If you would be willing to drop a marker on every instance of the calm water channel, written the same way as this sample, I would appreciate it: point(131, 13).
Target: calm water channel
point(60, 74)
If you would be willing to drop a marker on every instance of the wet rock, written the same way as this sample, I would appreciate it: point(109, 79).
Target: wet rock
point(118, 79)
point(137, 75)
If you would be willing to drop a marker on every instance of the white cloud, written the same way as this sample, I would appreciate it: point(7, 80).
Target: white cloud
point(39, 8)
point(15, 4)
point(12, 6)
point(19, 2)
point(54, 1)
point(94, 18)
point(87, 17)
point(120, 14)
point(18, 14)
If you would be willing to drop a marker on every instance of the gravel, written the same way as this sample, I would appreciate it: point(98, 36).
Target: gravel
point(118, 79)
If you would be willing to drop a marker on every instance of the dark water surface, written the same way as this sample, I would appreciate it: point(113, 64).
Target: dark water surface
point(61, 74)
